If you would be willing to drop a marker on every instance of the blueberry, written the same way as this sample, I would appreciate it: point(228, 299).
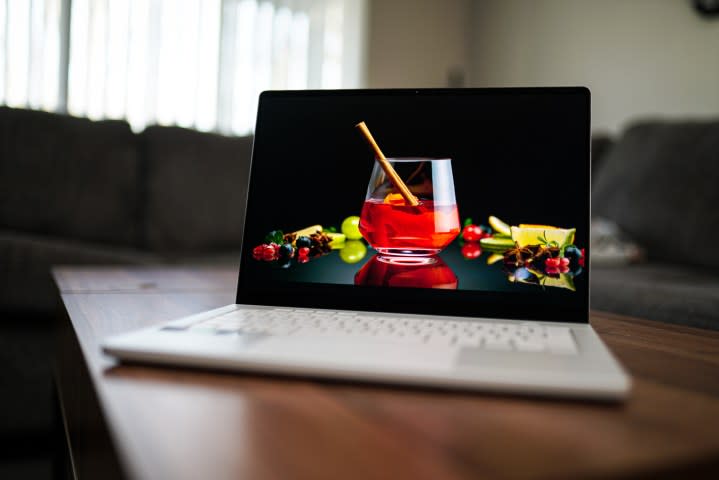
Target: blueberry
point(286, 250)
point(303, 241)
point(574, 254)
point(522, 274)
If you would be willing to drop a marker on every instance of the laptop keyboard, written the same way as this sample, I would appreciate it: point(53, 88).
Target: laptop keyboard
point(523, 337)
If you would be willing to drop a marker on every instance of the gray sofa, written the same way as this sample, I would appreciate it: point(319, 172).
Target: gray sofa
point(660, 183)
point(74, 191)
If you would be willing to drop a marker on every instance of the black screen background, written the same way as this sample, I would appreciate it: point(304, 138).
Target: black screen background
point(519, 154)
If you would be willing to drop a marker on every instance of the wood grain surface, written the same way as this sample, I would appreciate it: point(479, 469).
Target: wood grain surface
point(190, 424)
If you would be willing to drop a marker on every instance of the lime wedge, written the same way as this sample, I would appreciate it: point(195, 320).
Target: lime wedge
point(496, 244)
point(538, 235)
point(499, 226)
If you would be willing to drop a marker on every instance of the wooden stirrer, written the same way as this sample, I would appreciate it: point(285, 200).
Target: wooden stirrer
point(388, 170)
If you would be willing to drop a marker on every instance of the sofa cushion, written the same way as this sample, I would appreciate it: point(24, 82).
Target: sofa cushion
point(659, 184)
point(68, 176)
point(664, 292)
point(25, 279)
point(600, 145)
point(196, 185)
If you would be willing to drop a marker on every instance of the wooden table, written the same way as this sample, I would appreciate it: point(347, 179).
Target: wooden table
point(162, 423)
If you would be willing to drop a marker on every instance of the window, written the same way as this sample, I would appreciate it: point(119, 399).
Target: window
point(194, 63)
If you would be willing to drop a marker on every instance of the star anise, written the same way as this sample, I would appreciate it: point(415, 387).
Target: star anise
point(518, 256)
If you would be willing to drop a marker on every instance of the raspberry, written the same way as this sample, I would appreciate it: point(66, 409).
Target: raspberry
point(268, 253)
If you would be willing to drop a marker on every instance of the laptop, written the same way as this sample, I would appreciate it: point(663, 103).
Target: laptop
point(434, 238)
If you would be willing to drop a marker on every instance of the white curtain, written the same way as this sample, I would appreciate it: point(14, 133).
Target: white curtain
point(194, 63)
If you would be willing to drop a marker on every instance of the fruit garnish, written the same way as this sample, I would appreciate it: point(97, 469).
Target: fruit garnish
point(499, 226)
point(350, 227)
point(303, 241)
point(495, 244)
point(555, 266)
point(472, 233)
point(286, 251)
point(471, 250)
point(531, 225)
point(269, 253)
point(353, 251)
point(394, 199)
point(336, 238)
point(563, 280)
point(574, 254)
point(494, 258)
point(525, 236)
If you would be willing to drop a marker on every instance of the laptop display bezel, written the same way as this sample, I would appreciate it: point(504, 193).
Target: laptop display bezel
point(413, 300)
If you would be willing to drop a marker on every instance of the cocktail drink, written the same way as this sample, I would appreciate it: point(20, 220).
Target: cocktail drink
point(408, 272)
point(395, 228)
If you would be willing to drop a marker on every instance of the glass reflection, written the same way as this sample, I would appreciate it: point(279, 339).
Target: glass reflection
point(410, 272)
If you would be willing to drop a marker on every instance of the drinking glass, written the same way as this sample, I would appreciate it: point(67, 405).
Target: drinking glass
point(394, 228)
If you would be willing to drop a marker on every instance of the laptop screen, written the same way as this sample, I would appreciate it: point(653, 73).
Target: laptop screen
point(467, 202)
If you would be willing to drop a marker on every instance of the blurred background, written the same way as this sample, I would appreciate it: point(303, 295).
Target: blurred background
point(126, 131)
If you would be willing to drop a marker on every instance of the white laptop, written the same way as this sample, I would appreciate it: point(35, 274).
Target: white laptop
point(433, 238)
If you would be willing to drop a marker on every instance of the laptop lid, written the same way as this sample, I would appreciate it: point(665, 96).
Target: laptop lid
point(481, 208)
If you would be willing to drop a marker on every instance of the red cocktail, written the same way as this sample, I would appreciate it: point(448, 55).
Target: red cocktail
point(427, 272)
point(393, 227)
point(404, 230)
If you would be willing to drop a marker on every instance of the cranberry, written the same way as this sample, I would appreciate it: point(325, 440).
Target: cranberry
point(472, 233)
point(471, 250)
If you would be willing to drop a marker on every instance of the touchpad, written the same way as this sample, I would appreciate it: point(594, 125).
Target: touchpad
point(354, 353)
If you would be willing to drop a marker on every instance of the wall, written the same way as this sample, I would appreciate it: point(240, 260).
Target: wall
point(639, 57)
point(417, 43)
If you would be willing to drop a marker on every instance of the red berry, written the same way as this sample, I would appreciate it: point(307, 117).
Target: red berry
point(471, 250)
point(552, 262)
point(268, 253)
point(257, 252)
point(303, 251)
point(563, 262)
point(472, 233)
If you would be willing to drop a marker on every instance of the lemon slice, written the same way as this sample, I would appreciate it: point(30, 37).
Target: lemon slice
point(564, 281)
point(525, 236)
point(494, 258)
point(499, 226)
point(531, 225)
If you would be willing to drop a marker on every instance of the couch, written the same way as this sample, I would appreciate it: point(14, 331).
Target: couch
point(659, 181)
point(74, 191)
